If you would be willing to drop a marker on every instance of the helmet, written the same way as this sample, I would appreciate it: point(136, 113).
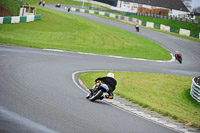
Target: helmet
point(110, 75)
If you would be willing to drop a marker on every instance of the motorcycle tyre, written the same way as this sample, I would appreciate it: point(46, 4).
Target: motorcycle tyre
point(180, 61)
point(96, 96)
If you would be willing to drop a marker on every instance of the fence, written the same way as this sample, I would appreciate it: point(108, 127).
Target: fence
point(19, 19)
point(168, 17)
point(195, 89)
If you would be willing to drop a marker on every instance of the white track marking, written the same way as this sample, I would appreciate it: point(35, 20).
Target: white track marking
point(111, 56)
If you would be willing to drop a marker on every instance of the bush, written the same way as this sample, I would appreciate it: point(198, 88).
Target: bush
point(11, 5)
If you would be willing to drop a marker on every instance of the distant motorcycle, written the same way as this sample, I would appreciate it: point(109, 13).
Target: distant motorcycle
point(137, 27)
point(97, 92)
point(179, 58)
point(58, 5)
point(40, 3)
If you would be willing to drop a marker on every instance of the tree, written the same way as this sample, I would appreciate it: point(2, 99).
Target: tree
point(187, 3)
point(196, 10)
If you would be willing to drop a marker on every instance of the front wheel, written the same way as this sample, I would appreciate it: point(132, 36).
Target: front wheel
point(97, 95)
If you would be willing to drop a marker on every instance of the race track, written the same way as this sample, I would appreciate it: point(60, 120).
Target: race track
point(37, 93)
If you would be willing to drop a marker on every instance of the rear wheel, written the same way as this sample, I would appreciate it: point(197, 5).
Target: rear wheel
point(180, 60)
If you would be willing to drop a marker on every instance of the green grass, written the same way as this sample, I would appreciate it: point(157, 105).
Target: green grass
point(11, 5)
point(168, 95)
point(197, 18)
point(59, 30)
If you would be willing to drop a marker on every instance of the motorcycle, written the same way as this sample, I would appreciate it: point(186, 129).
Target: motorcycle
point(58, 5)
point(137, 29)
point(179, 58)
point(97, 91)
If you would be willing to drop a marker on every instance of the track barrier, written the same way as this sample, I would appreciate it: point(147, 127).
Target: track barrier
point(19, 19)
point(195, 89)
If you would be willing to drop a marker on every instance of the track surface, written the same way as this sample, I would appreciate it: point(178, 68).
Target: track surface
point(37, 93)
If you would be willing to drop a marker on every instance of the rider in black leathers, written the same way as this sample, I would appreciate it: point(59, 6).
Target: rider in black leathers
point(110, 82)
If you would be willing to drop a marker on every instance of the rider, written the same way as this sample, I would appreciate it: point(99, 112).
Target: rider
point(178, 55)
point(137, 27)
point(111, 84)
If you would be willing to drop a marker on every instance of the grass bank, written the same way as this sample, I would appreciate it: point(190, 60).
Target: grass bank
point(59, 30)
point(11, 5)
point(168, 95)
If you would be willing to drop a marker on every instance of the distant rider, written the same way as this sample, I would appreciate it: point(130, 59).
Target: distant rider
point(111, 84)
point(178, 55)
point(137, 27)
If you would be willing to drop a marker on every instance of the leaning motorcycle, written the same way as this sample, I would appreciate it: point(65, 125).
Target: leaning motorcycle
point(97, 91)
point(179, 58)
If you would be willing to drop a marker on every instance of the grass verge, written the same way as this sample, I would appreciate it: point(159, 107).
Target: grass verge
point(59, 30)
point(168, 95)
point(11, 5)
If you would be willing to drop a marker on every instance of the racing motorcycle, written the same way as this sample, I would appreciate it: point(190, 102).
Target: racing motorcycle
point(97, 91)
point(179, 58)
point(137, 29)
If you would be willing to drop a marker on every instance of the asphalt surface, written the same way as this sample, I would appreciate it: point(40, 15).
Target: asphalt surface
point(37, 93)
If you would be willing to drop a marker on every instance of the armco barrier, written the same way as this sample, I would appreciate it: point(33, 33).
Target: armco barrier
point(194, 34)
point(156, 26)
point(184, 32)
point(143, 23)
point(164, 28)
point(19, 19)
point(1, 20)
point(15, 19)
point(175, 30)
point(102, 13)
point(195, 89)
point(6, 20)
point(112, 15)
point(23, 19)
point(30, 18)
point(37, 17)
point(150, 25)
